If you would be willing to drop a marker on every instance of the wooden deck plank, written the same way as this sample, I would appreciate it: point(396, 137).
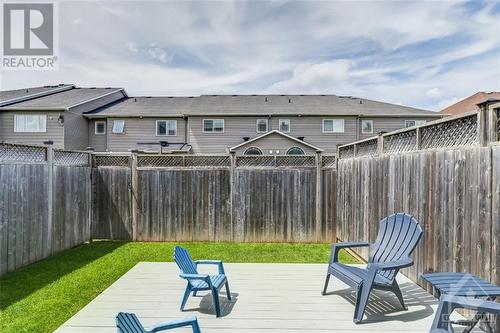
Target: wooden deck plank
point(267, 297)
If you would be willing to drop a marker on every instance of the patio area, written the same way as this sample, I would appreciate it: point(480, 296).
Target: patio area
point(266, 298)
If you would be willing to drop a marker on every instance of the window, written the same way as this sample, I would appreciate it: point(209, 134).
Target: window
point(118, 126)
point(30, 123)
point(284, 125)
point(295, 151)
point(333, 125)
point(253, 151)
point(213, 125)
point(366, 126)
point(411, 123)
point(100, 127)
point(261, 125)
point(166, 127)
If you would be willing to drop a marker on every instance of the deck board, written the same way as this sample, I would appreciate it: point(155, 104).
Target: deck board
point(267, 298)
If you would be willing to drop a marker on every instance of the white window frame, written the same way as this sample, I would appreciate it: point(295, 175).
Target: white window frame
point(123, 129)
point(95, 127)
point(418, 122)
point(257, 125)
point(289, 125)
point(43, 129)
point(333, 119)
point(363, 128)
point(212, 131)
point(166, 127)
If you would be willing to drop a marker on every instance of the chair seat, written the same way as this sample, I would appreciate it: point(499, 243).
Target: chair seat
point(355, 274)
point(217, 282)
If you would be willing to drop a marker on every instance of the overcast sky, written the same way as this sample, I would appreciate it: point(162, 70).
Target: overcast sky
point(422, 54)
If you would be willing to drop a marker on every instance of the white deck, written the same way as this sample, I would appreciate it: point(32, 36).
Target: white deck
point(266, 298)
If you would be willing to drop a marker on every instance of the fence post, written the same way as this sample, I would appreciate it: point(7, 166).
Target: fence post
point(319, 196)
point(50, 199)
point(481, 125)
point(380, 143)
point(133, 192)
point(232, 156)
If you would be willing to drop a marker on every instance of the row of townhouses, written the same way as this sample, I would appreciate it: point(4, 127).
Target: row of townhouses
point(107, 119)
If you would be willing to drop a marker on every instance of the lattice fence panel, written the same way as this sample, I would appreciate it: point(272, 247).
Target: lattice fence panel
point(498, 124)
point(346, 152)
point(305, 161)
point(256, 161)
point(329, 161)
point(207, 161)
point(71, 158)
point(367, 148)
point(111, 160)
point(456, 132)
point(22, 153)
point(160, 161)
point(400, 142)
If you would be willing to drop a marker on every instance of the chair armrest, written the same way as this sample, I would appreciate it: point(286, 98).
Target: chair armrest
point(168, 325)
point(211, 262)
point(338, 246)
point(203, 277)
point(383, 266)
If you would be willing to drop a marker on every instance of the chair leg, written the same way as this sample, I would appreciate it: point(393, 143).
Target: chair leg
point(215, 296)
point(399, 295)
point(185, 298)
point(195, 293)
point(361, 301)
point(196, 327)
point(326, 284)
point(227, 291)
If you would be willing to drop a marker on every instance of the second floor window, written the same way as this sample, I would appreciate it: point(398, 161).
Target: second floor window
point(261, 125)
point(166, 127)
point(119, 126)
point(333, 125)
point(30, 123)
point(366, 126)
point(411, 123)
point(284, 125)
point(213, 125)
point(100, 127)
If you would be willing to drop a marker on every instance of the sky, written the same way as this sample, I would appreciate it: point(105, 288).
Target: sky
point(425, 54)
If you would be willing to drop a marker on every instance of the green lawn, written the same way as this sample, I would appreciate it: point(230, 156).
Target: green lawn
point(42, 296)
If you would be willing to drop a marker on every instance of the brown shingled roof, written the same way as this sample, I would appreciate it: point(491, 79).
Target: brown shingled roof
point(470, 103)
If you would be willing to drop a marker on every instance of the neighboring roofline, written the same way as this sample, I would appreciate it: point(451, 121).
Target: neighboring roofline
point(246, 114)
point(104, 116)
point(98, 97)
point(36, 95)
point(317, 149)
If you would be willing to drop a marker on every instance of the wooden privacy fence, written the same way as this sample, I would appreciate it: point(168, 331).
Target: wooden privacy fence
point(214, 198)
point(44, 203)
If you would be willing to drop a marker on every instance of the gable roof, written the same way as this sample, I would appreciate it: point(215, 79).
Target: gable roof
point(19, 95)
point(62, 100)
point(279, 133)
point(256, 105)
point(470, 103)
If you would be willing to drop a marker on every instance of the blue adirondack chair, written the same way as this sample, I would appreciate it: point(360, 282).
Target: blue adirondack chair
point(199, 282)
point(448, 303)
point(398, 236)
point(128, 323)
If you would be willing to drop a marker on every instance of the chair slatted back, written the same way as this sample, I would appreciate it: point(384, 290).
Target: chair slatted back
point(184, 261)
point(128, 323)
point(397, 237)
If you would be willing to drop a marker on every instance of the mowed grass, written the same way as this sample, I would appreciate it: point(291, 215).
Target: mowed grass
point(42, 296)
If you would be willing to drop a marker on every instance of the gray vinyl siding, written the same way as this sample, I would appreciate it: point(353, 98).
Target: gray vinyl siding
point(76, 133)
point(55, 131)
point(274, 142)
point(140, 130)
point(98, 142)
point(386, 124)
point(311, 128)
